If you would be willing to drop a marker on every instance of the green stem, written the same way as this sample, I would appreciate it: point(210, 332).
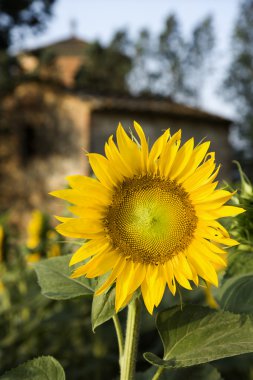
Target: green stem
point(119, 336)
point(158, 373)
point(132, 334)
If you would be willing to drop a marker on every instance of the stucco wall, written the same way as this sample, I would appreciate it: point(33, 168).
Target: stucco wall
point(60, 125)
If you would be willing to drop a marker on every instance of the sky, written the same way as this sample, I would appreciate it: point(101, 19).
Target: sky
point(99, 19)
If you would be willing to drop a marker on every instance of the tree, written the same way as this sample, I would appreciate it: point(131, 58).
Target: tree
point(172, 51)
point(105, 69)
point(144, 73)
point(198, 61)
point(16, 16)
point(238, 83)
point(172, 65)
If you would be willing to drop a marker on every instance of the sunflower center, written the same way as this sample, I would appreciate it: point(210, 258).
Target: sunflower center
point(150, 219)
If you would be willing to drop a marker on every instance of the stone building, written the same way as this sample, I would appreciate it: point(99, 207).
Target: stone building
point(46, 128)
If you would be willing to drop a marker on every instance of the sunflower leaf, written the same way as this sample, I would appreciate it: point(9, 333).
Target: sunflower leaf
point(42, 368)
point(236, 294)
point(198, 335)
point(55, 282)
point(239, 263)
point(103, 307)
point(201, 372)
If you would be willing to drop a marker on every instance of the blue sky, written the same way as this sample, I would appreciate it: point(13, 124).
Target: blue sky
point(101, 18)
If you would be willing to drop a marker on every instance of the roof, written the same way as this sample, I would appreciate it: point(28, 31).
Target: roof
point(69, 47)
point(159, 105)
point(151, 104)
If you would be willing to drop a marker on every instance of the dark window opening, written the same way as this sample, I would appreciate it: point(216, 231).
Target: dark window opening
point(29, 147)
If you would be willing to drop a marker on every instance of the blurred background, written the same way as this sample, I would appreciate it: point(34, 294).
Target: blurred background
point(69, 72)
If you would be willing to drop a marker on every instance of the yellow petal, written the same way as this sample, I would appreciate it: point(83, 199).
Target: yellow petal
point(122, 285)
point(178, 273)
point(156, 283)
point(213, 247)
point(117, 269)
point(89, 187)
point(225, 211)
point(195, 277)
point(203, 267)
point(211, 256)
point(102, 170)
point(81, 228)
point(169, 276)
point(180, 264)
point(196, 158)
point(147, 297)
point(160, 286)
point(138, 274)
point(219, 196)
point(116, 159)
point(77, 198)
point(62, 219)
point(202, 192)
point(129, 150)
point(183, 156)
point(156, 151)
point(144, 146)
point(96, 212)
point(90, 248)
point(210, 300)
point(169, 153)
point(200, 177)
point(101, 264)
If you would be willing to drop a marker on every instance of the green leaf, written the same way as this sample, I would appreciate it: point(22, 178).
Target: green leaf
point(239, 263)
point(42, 368)
point(201, 372)
point(199, 335)
point(103, 307)
point(236, 294)
point(55, 282)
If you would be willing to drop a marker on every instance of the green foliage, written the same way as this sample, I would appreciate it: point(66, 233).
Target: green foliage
point(55, 282)
point(54, 279)
point(17, 16)
point(170, 64)
point(167, 64)
point(241, 227)
point(103, 306)
point(236, 294)
point(100, 62)
point(43, 368)
point(238, 81)
point(197, 335)
point(201, 372)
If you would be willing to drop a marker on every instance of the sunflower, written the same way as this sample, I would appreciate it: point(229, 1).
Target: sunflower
point(150, 217)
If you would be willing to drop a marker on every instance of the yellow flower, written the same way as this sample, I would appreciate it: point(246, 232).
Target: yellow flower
point(33, 258)
point(1, 242)
point(34, 230)
point(2, 287)
point(150, 216)
point(54, 250)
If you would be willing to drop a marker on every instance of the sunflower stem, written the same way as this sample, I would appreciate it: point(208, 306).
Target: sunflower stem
point(132, 334)
point(119, 334)
point(158, 373)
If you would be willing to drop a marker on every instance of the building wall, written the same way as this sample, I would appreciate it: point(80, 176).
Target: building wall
point(104, 123)
point(44, 136)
